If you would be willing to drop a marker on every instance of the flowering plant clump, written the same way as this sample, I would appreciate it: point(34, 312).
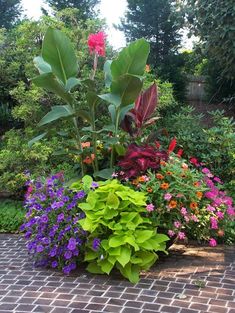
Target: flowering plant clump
point(185, 202)
point(53, 234)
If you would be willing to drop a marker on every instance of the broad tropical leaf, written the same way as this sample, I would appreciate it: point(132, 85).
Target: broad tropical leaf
point(50, 83)
point(42, 66)
point(57, 50)
point(131, 60)
point(57, 111)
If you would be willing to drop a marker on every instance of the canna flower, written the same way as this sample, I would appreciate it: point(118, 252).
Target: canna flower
point(96, 43)
point(164, 186)
point(180, 152)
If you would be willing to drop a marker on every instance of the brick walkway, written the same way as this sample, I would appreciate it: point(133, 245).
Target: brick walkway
point(192, 280)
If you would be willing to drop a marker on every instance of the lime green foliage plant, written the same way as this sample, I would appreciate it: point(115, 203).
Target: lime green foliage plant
point(11, 216)
point(120, 236)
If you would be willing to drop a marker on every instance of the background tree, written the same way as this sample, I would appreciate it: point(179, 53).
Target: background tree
point(159, 22)
point(214, 23)
point(10, 11)
point(86, 7)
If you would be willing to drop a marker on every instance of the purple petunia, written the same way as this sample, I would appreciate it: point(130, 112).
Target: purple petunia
point(96, 244)
point(72, 244)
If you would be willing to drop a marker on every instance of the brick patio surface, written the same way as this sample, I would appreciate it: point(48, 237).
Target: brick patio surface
point(192, 280)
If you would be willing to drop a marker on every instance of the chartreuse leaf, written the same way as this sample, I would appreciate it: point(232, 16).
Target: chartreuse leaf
point(130, 271)
point(90, 255)
point(124, 256)
point(94, 268)
point(106, 266)
point(143, 235)
point(116, 241)
point(57, 50)
point(112, 201)
point(87, 181)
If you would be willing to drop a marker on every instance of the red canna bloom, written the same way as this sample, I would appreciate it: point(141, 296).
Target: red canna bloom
point(96, 43)
point(172, 145)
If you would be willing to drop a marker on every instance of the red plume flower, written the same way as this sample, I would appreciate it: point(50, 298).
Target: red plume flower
point(96, 43)
point(180, 152)
point(172, 145)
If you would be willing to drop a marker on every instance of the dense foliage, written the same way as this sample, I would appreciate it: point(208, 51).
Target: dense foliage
point(12, 216)
point(10, 12)
point(85, 7)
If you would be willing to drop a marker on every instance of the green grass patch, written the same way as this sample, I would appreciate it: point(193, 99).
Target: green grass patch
point(11, 216)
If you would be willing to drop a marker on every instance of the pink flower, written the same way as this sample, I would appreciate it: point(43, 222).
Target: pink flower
point(171, 233)
point(150, 207)
point(231, 211)
point(212, 242)
point(186, 218)
point(228, 201)
point(214, 223)
point(179, 195)
point(210, 208)
point(220, 214)
point(218, 180)
point(183, 211)
point(177, 224)
point(194, 218)
point(207, 172)
point(181, 235)
point(96, 43)
point(167, 196)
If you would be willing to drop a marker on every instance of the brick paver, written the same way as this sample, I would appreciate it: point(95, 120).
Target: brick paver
point(192, 280)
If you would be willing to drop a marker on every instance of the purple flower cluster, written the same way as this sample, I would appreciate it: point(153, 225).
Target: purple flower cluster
point(53, 234)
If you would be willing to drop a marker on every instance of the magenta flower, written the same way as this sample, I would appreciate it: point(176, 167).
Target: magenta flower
point(220, 215)
point(212, 242)
point(181, 235)
point(231, 211)
point(171, 233)
point(150, 207)
point(210, 208)
point(177, 224)
point(194, 218)
point(214, 223)
point(183, 211)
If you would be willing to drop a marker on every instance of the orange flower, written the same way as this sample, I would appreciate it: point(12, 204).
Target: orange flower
point(183, 175)
point(89, 159)
point(165, 186)
point(193, 205)
point(172, 204)
point(149, 189)
point(159, 176)
point(163, 163)
point(141, 179)
point(199, 194)
point(147, 68)
point(220, 233)
point(86, 144)
point(196, 184)
point(135, 182)
point(169, 173)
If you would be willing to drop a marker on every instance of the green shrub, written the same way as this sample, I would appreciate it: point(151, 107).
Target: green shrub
point(119, 234)
point(11, 216)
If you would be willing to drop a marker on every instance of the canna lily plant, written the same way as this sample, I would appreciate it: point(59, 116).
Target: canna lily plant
point(58, 69)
